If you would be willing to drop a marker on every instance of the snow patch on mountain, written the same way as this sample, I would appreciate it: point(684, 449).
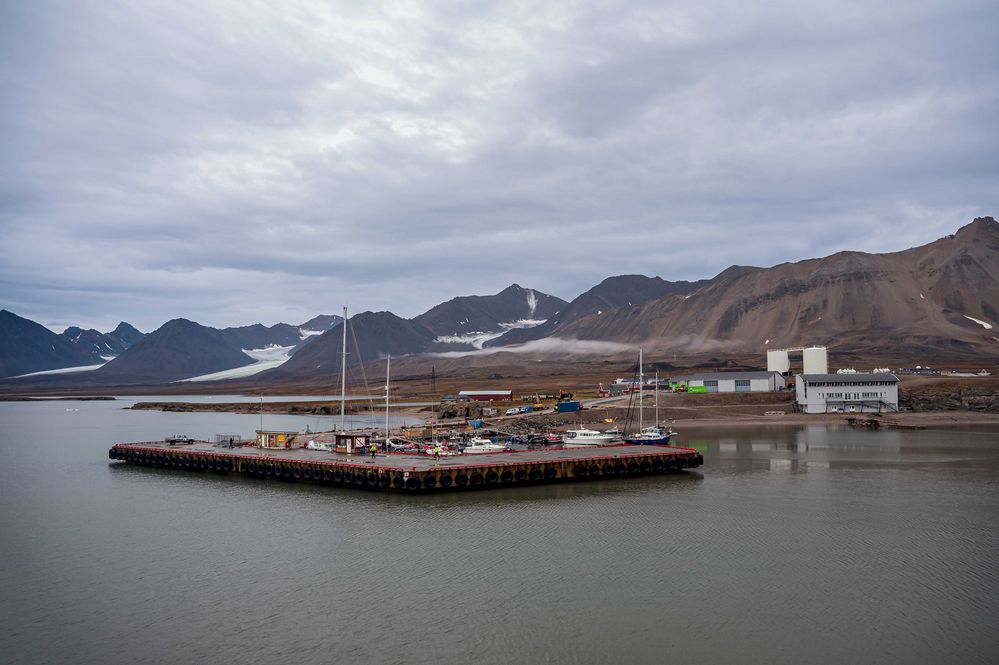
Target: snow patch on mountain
point(267, 358)
point(984, 324)
point(304, 334)
point(547, 345)
point(478, 339)
point(532, 303)
point(63, 370)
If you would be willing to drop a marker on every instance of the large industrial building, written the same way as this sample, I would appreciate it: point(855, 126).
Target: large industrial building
point(846, 393)
point(734, 382)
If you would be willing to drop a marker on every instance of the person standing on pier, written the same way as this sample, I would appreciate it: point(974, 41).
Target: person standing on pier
point(372, 449)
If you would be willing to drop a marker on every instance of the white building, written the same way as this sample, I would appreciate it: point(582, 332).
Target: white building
point(734, 382)
point(847, 393)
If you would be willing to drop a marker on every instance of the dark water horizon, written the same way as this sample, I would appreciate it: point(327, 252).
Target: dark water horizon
point(812, 544)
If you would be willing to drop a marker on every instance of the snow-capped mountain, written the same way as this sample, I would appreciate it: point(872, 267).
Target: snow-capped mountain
point(474, 320)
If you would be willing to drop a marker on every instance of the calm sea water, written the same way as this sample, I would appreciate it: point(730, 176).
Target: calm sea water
point(790, 545)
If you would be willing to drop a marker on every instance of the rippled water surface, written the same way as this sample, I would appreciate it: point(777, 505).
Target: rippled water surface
point(790, 545)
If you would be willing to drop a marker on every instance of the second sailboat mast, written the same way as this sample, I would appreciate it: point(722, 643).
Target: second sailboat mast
point(343, 372)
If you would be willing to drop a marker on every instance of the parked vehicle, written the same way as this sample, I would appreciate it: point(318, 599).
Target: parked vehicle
point(318, 445)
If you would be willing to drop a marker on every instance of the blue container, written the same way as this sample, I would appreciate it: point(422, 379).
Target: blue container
point(475, 423)
point(568, 407)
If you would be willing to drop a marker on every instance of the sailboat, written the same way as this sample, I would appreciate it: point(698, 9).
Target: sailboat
point(352, 442)
point(653, 435)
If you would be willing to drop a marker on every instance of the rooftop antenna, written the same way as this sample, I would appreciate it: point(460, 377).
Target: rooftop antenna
point(343, 372)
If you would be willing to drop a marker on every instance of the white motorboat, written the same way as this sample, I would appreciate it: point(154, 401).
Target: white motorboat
point(578, 438)
point(478, 444)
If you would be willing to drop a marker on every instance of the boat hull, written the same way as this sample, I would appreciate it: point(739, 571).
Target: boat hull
point(569, 443)
point(650, 441)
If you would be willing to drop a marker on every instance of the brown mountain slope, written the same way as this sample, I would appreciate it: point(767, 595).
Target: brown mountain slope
point(917, 299)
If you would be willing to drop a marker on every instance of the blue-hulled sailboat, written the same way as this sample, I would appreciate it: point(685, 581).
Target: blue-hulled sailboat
point(654, 435)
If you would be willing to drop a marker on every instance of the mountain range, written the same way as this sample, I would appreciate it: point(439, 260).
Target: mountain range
point(942, 297)
point(476, 320)
point(100, 346)
point(620, 291)
point(26, 346)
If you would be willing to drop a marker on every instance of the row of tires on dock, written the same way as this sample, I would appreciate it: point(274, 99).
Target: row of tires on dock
point(437, 479)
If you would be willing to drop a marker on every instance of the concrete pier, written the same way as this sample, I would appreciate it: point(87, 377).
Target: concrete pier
point(411, 472)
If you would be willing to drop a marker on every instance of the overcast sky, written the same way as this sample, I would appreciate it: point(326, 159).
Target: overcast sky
point(235, 162)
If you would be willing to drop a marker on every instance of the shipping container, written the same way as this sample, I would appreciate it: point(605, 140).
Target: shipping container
point(568, 407)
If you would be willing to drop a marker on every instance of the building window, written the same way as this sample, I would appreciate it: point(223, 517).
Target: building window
point(742, 386)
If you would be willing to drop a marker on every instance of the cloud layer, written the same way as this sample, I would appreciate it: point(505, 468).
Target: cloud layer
point(235, 162)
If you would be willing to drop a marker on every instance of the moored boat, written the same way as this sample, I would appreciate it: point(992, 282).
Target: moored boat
point(578, 438)
point(651, 436)
point(480, 444)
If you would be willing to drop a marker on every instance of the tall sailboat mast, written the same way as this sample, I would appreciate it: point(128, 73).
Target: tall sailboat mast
point(657, 398)
point(641, 388)
point(388, 365)
point(343, 372)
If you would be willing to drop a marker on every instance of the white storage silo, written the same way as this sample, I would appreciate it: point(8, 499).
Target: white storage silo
point(815, 361)
point(778, 361)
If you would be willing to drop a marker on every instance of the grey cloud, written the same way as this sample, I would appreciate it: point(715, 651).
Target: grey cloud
point(233, 162)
